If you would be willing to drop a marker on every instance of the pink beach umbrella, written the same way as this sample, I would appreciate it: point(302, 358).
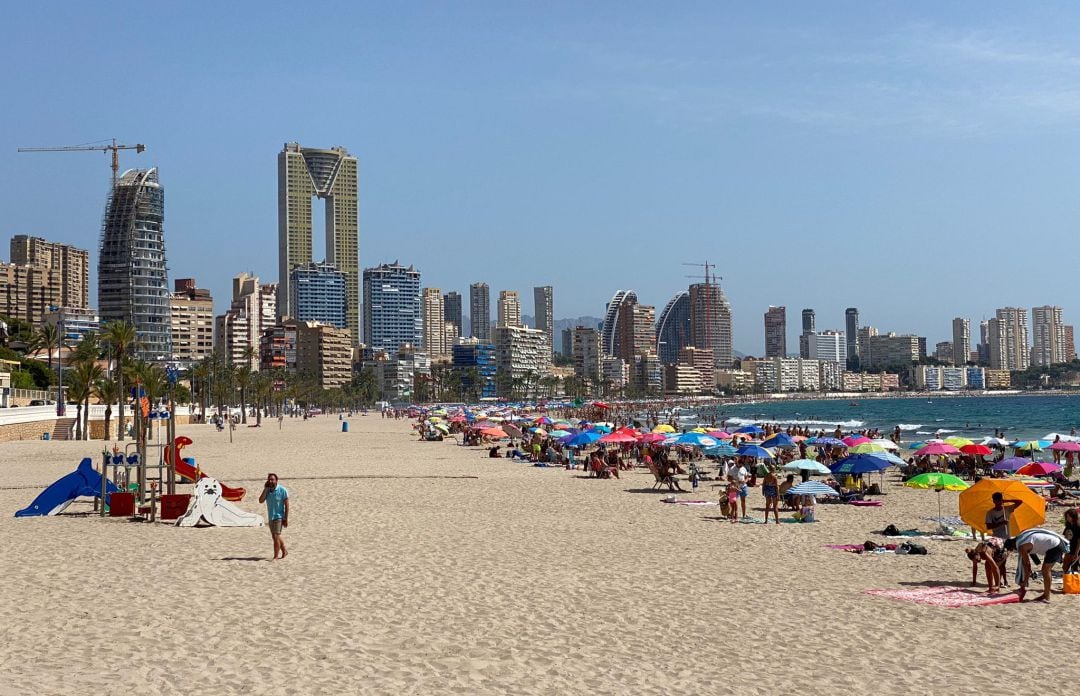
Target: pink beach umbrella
point(1038, 469)
point(720, 435)
point(936, 448)
point(855, 440)
point(650, 438)
point(1064, 446)
point(618, 436)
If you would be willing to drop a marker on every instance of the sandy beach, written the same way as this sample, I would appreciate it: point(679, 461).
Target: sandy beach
point(425, 567)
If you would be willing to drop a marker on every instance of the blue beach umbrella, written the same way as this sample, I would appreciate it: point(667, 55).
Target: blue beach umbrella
point(858, 464)
point(696, 439)
point(721, 450)
point(582, 439)
point(751, 430)
point(811, 488)
point(889, 457)
point(779, 440)
point(826, 442)
point(754, 451)
point(1011, 464)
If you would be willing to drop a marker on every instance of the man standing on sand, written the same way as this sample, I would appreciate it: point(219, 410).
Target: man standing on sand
point(276, 498)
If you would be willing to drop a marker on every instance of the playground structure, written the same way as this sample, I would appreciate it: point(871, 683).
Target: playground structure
point(189, 472)
point(138, 486)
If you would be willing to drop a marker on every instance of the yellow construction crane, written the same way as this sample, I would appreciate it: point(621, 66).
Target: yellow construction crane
point(106, 147)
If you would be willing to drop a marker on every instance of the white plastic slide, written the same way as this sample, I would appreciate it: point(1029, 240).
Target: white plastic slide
point(208, 509)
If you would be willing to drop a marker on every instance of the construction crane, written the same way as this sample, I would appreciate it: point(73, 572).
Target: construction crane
point(104, 147)
point(709, 303)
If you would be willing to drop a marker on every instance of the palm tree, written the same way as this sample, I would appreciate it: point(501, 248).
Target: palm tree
point(78, 391)
point(200, 378)
point(243, 381)
point(47, 337)
point(107, 392)
point(84, 376)
point(121, 338)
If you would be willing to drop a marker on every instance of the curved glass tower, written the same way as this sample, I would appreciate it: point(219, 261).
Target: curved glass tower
point(132, 275)
point(673, 328)
point(609, 334)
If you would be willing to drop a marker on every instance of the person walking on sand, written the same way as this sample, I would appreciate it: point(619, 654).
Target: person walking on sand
point(1050, 545)
point(276, 498)
point(770, 488)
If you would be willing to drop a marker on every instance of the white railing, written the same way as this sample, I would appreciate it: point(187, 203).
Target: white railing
point(33, 414)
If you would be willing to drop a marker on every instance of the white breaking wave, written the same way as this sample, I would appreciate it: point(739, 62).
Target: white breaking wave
point(909, 426)
point(795, 421)
point(939, 431)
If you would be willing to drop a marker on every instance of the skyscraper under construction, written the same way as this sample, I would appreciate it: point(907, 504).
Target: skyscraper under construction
point(132, 282)
point(305, 173)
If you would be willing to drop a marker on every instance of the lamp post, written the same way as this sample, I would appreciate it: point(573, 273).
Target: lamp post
point(60, 406)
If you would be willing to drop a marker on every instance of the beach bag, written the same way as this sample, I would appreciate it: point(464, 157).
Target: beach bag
point(912, 548)
point(1071, 583)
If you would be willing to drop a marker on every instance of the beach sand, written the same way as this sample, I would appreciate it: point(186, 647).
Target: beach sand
point(426, 568)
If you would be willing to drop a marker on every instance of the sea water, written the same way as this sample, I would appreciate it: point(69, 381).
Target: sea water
point(1020, 417)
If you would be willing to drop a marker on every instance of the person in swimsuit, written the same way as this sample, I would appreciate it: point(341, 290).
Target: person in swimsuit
point(987, 552)
point(770, 488)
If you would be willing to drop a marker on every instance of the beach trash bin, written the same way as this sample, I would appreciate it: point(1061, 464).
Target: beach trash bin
point(173, 506)
point(46, 436)
point(344, 426)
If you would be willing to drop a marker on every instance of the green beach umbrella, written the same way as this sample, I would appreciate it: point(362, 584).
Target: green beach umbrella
point(939, 482)
point(866, 448)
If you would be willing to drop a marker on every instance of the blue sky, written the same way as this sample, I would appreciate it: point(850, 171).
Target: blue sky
point(917, 161)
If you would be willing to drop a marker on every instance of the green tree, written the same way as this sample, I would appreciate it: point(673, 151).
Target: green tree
point(120, 337)
point(107, 392)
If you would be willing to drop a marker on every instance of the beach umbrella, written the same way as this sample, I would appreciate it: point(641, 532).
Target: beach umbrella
point(814, 488)
point(1065, 446)
point(442, 426)
point(825, 442)
point(1038, 469)
point(600, 404)
point(602, 427)
point(995, 442)
point(938, 482)
point(958, 442)
point(866, 448)
point(859, 464)
point(1030, 445)
point(1011, 464)
point(558, 434)
point(807, 465)
point(543, 420)
point(700, 430)
point(853, 440)
point(889, 457)
point(887, 444)
point(977, 500)
point(618, 437)
point(497, 433)
point(754, 451)
point(936, 448)
point(779, 440)
point(650, 438)
point(751, 430)
point(485, 424)
point(976, 449)
point(663, 428)
point(697, 440)
point(721, 450)
point(719, 435)
point(512, 430)
point(582, 439)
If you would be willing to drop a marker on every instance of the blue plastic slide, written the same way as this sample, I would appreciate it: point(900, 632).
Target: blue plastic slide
point(84, 481)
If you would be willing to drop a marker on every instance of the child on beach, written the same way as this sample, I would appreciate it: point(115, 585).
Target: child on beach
point(732, 495)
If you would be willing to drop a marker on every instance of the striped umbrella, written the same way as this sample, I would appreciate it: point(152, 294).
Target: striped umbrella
point(814, 488)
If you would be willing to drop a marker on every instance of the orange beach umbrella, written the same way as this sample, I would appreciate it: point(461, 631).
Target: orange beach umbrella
point(976, 501)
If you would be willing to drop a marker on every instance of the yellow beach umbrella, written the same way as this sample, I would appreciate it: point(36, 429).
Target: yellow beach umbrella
point(663, 428)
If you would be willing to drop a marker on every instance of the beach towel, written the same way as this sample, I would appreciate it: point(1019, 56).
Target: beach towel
point(866, 503)
point(689, 502)
point(861, 548)
point(946, 596)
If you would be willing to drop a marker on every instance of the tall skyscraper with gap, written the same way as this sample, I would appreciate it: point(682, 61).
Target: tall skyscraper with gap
point(480, 311)
point(305, 173)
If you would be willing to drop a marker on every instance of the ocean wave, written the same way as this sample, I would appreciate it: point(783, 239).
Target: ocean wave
point(923, 432)
point(941, 431)
point(735, 420)
point(908, 426)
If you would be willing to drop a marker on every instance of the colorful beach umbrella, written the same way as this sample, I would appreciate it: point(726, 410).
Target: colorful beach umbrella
point(859, 464)
point(866, 448)
point(721, 450)
point(1011, 464)
point(1038, 469)
point(937, 448)
point(751, 430)
point(825, 442)
point(497, 433)
point(755, 451)
point(937, 480)
point(958, 442)
point(976, 449)
point(1065, 446)
point(887, 444)
point(664, 428)
point(697, 440)
point(719, 434)
point(582, 439)
point(854, 440)
point(618, 437)
point(779, 440)
point(976, 501)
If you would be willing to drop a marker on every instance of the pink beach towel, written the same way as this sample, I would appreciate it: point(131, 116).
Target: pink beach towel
point(690, 502)
point(946, 596)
